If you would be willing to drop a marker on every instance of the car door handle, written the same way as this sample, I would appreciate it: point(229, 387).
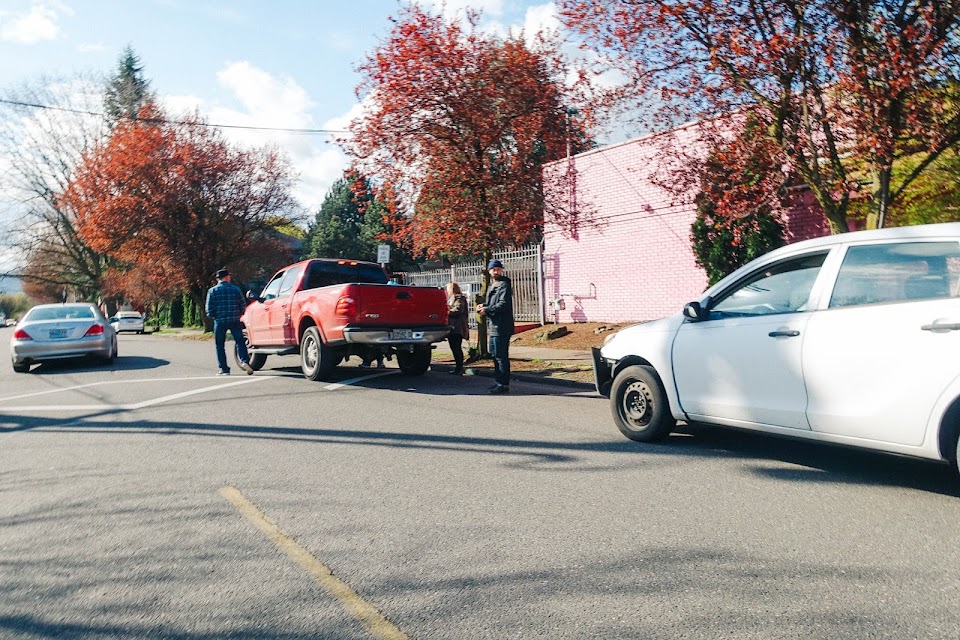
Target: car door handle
point(784, 334)
point(946, 326)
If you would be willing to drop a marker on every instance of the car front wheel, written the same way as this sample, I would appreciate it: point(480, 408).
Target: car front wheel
point(639, 404)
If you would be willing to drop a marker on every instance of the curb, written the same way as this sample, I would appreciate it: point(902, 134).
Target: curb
point(520, 377)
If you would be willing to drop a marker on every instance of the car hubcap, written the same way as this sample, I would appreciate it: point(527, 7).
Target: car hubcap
point(637, 404)
point(310, 353)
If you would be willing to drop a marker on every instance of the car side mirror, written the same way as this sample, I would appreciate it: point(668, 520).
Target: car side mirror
point(111, 319)
point(695, 311)
point(252, 297)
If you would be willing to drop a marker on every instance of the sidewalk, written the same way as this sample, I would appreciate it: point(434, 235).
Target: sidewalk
point(567, 367)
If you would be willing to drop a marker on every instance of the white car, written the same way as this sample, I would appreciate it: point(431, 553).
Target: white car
point(127, 321)
point(849, 339)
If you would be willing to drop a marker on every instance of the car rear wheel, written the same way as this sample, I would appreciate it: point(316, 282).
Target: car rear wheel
point(317, 360)
point(21, 367)
point(639, 404)
point(414, 363)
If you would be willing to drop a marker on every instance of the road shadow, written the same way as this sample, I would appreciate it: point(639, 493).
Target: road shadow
point(814, 463)
point(83, 365)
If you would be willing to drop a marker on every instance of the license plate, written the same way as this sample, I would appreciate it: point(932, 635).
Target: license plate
point(58, 334)
point(401, 334)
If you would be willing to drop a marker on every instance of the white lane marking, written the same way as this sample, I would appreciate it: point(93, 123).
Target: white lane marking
point(347, 383)
point(105, 382)
point(138, 405)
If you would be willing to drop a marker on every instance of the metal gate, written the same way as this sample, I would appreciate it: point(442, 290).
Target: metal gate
point(524, 267)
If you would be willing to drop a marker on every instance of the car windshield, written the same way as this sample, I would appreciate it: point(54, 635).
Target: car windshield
point(61, 313)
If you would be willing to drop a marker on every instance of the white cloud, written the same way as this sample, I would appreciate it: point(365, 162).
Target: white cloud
point(268, 101)
point(36, 25)
point(451, 8)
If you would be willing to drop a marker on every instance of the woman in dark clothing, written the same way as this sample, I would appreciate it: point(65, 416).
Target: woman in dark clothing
point(458, 321)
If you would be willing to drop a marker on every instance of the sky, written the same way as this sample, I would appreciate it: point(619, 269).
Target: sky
point(262, 63)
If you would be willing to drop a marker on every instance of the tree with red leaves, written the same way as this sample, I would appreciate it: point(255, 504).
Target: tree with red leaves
point(844, 88)
point(177, 202)
point(461, 122)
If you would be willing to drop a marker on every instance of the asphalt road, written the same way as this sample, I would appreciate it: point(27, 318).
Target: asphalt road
point(151, 499)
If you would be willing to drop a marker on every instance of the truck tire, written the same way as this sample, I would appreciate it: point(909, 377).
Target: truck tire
point(257, 360)
point(639, 404)
point(414, 363)
point(317, 360)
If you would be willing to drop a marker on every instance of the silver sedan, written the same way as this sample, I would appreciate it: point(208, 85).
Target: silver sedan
point(55, 331)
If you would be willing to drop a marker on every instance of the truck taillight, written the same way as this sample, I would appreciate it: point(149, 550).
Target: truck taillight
point(346, 307)
point(95, 330)
point(20, 334)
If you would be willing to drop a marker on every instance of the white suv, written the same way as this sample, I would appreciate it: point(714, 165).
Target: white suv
point(851, 339)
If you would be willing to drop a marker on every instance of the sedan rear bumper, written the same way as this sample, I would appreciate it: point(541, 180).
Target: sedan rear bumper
point(22, 351)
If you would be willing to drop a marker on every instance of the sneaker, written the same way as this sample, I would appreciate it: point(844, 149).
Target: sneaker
point(457, 372)
point(246, 367)
point(380, 365)
point(223, 373)
point(500, 389)
point(364, 365)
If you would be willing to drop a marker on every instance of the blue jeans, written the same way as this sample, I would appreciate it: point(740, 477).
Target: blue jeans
point(220, 328)
point(500, 350)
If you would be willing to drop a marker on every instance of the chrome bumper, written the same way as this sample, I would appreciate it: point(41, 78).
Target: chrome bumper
point(386, 336)
point(35, 351)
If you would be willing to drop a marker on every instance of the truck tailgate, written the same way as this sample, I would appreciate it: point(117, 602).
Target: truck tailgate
point(399, 306)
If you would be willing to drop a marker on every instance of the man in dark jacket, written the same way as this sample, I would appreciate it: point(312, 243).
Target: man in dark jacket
point(498, 310)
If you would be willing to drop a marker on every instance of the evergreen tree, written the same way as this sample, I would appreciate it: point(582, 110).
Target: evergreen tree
point(336, 230)
point(128, 91)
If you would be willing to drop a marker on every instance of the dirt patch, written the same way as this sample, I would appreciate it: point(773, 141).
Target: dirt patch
point(580, 335)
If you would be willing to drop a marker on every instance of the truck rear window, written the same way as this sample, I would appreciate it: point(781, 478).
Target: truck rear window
point(324, 273)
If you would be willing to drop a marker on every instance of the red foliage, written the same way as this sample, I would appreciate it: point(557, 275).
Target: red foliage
point(460, 124)
point(175, 202)
point(828, 78)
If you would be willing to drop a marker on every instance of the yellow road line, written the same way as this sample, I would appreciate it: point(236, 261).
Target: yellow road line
point(359, 608)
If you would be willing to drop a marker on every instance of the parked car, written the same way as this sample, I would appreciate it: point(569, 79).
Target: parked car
point(127, 321)
point(849, 339)
point(55, 331)
point(11, 322)
point(327, 310)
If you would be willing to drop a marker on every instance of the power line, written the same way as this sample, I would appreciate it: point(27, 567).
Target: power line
point(177, 122)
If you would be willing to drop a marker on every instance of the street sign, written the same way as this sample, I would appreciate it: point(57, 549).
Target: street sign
point(383, 253)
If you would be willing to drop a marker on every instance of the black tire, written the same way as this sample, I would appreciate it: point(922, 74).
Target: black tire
point(415, 363)
point(257, 360)
point(317, 360)
point(639, 404)
point(22, 367)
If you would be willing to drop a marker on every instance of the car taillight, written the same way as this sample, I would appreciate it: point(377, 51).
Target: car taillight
point(95, 330)
point(346, 307)
point(20, 334)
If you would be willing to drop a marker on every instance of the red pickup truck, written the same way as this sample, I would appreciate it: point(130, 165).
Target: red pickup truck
point(327, 310)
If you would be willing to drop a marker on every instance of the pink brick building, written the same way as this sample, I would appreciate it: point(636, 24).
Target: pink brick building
point(634, 261)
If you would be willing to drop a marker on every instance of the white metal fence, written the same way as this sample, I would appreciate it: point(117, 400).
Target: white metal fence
point(524, 267)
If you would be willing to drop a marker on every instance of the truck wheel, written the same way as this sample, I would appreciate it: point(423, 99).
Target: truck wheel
point(257, 360)
point(317, 360)
point(640, 406)
point(414, 363)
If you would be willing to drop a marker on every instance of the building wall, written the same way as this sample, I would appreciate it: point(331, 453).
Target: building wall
point(629, 258)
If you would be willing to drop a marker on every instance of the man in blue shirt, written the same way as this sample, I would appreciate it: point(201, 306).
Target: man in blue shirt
point(225, 304)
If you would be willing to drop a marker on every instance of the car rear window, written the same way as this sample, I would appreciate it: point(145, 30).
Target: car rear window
point(325, 273)
point(61, 313)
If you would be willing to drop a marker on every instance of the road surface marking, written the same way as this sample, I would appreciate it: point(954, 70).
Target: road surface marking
point(347, 383)
point(366, 613)
point(105, 382)
point(137, 405)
